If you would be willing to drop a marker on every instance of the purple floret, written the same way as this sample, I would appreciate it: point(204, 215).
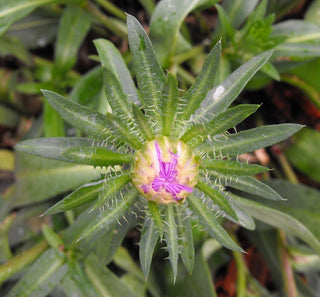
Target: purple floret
point(167, 176)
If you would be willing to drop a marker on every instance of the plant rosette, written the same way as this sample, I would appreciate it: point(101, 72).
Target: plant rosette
point(177, 152)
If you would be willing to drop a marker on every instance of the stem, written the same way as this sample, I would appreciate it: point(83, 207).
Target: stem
point(310, 91)
point(242, 271)
point(287, 168)
point(114, 25)
point(287, 271)
point(185, 75)
point(178, 59)
point(241, 274)
point(21, 261)
point(110, 7)
point(148, 5)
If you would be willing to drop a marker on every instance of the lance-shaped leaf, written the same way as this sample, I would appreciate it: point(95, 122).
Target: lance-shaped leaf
point(110, 215)
point(250, 140)
point(38, 179)
point(297, 31)
point(76, 282)
point(236, 168)
point(112, 60)
point(185, 237)
point(218, 198)
point(209, 221)
point(169, 101)
point(147, 244)
point(171, 236)
point(142, 122)
point(239, 10)
point(191, 100)
point(74, 25)
point(249, 184)
point(11, 11)
point(104, 281)
point(52, 147)
point(112, 185)
point(219, 124)
point(221, 96)
point(155, 214)
point(95, 156)
point(87, 120)
point(148, 71)
point(117, 98)
point(165, 25)
point(42, 277)
point(290, 215)
point(84, 194)
point(122, 131)
point(88, 87)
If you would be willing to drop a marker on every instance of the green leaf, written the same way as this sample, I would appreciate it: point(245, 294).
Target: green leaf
point(191, 100)
point(169, 101)
point(171, 235)
point(250, 140)
point(42, 277)
point(88, 87)
point(104, 281)
point(271, 71)
point(52, 238)
point(155, 214)
point(236, 168)
point(303, 153)
point(84, 194)
point(35, 30)
point(198, 283)
point(296, 51)
point(239, 10)
point(227, 30)
point(296, 215)
point(124, 260)
point(297, 31)
point(218, 198)
point(113, 214)
point(122, 131)
point(116, 97)
point(221, 123)
point(150, 76)
point(110, 242)
point(165, 24)
point(185, 237)
point(209, 221)
point(52, 147)
point(249, 184)
point(53, 122)
point(74, 25)
point(11, 11)
point(221, 96)
point(38, 179)
point(112, 185)
point(112, 59)
point(142, 122)
point(76, 282)
point(147, 244)
point(81, 117)
point(96, 156)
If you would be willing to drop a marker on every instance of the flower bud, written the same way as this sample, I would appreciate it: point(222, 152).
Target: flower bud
point(165, 171)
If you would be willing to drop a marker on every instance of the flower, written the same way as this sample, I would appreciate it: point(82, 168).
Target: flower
point(176, 151)
point(165, 172)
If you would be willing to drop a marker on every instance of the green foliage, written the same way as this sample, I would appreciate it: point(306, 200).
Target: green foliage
point(112, 119)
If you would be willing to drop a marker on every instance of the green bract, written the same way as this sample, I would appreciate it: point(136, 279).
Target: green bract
point(189, 131)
